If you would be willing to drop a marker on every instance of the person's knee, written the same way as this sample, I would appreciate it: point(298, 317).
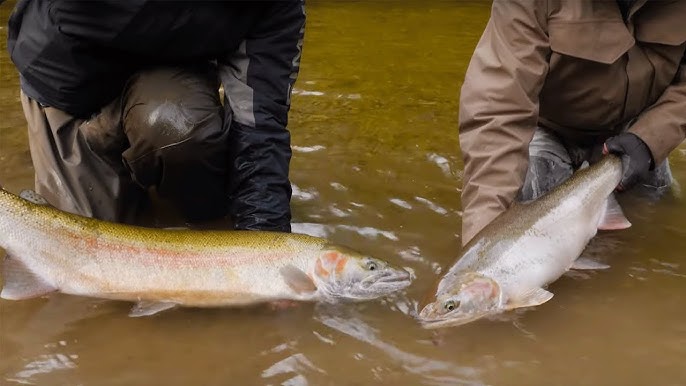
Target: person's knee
point(167, 105)
point(173, 119)
point(546, 144)
point(192, 172)
point(542, 176)
point(175, 143)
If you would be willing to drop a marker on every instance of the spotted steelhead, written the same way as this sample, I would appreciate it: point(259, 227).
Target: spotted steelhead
point(49, 250)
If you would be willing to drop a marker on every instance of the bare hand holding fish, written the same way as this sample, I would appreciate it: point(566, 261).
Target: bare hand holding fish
point(50, 250)
point(508, 264)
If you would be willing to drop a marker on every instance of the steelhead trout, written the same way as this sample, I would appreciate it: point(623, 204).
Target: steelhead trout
point(508, 264)
point(50, 250)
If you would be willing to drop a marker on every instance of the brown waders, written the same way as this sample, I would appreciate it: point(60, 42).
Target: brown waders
point(164, 132)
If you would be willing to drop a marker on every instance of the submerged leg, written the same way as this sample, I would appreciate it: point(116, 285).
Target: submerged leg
point(173, 119)
point(549, 165)
point(657, 182)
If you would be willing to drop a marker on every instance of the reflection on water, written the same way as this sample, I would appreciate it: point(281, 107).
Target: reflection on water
point(376, 166)
point(433, 372)
point(44, 364)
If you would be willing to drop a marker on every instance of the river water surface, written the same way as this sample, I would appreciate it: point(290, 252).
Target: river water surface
point(376, 166)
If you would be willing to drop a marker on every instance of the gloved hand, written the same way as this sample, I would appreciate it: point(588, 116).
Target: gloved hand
point(637, 159)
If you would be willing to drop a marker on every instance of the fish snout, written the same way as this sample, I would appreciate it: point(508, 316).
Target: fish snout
point(424, 312)
point(427, 312)
point(398, 276)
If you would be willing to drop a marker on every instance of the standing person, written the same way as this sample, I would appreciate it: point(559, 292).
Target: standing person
point(121, 97)
point(554, 83)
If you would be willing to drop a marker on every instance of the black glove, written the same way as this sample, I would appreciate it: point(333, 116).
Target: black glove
point(637, 159)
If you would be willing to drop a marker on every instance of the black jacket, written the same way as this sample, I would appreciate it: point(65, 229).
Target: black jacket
point(77, 55)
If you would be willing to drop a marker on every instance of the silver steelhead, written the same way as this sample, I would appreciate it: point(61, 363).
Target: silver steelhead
point(510, 262)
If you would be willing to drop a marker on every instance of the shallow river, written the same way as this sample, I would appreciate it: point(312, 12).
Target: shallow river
point(376, 166)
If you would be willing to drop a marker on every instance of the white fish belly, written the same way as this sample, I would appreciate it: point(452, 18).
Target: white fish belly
point(548, 249)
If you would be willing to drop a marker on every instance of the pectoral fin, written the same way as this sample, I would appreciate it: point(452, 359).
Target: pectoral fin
point(613, 217)
point(584, 263)
point(535, 297)
point(297, 280)
point(147, 308)
point(21, 283)
point(31, 196)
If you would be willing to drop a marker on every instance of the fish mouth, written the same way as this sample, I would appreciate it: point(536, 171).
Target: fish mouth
point(433, 324)
point(453, 319)
point(400, 278)
point(379, 284)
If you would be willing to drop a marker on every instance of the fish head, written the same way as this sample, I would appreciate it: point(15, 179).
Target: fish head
point(341, 273)
point(470, 297)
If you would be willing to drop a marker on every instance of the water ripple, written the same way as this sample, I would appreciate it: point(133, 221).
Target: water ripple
point(433, 372)
point(306, 92)
point(303, 195)
point(44, 364)
point(307, 149)
point(442, 164)
point(297, 364)
point(321, 230)
point(338, 186)
point(436, 208)
point(401, 203)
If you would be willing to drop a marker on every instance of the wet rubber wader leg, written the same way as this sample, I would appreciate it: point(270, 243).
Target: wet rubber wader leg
point(173, 119)
point(549, 165)
point(77, 162)
point(657, 182)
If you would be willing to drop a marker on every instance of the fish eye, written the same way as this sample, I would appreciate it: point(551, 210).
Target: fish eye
point(451, 305)
point(372, 266)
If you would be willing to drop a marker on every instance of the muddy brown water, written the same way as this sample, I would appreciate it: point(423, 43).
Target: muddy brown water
point(376, 166)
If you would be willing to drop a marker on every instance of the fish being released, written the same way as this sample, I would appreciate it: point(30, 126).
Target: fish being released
point(51, 250)
point(508, 264)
